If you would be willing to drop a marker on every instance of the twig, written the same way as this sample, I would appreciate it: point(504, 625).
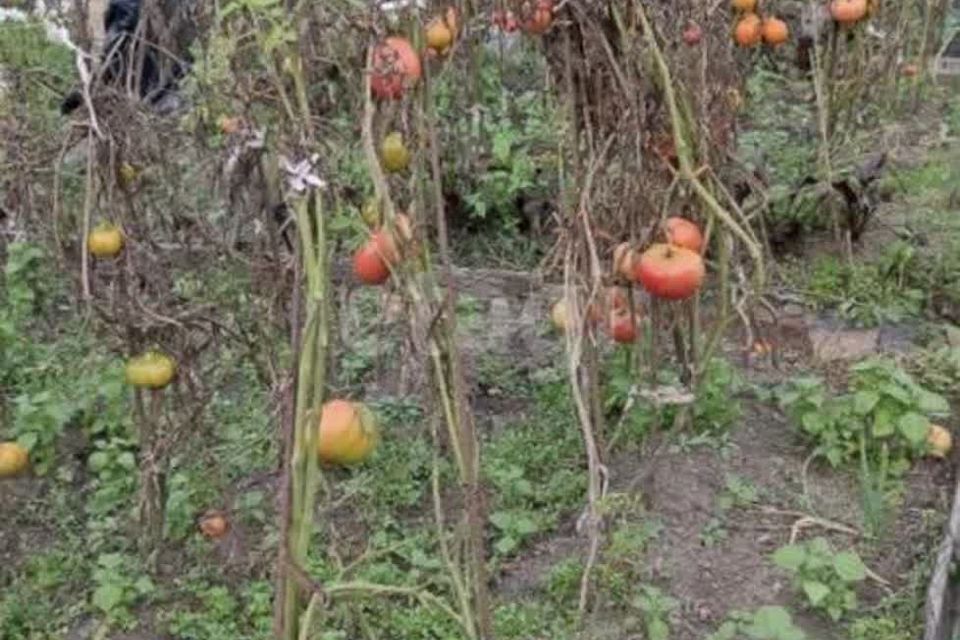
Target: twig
point(87, 212)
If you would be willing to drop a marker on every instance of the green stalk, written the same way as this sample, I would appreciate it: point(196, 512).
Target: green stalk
point(310, 386)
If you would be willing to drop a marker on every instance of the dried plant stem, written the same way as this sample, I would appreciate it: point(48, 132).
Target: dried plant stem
point(470, 447)
point(88, 203)
point(432, 329)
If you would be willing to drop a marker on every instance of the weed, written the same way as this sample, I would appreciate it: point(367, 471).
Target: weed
point(118, 585)
point(563, 581)
point(900, 615)
point(885, 414)
point(498, 375)
point(715, 409)
point(766, 623)
point(713, 533)
point(738, 492)
point(623, 561)
point(535, 468)
point(937, 368)
point(882, 424)
point(825, 577)
point(656, 608)
point(532, 621)
point(868, 294)
point(220, 615)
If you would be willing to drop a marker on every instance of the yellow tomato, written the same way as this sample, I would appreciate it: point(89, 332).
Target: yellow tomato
point(13, 459)
point(347, 433)
point(128, 173)
point(230, 125)
point(105, 241)
point(394, 154)
point(151, 370)
point(438, 35)
point(371, 213)
point(558, 315)
point(939, 441)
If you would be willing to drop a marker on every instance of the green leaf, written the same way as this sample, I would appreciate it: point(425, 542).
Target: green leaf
point(770, 623)
point(657, 629)
point(501, 519)
point(849, 566)
point(896, 392)
point(813, 423)
point(110, 560)
point(790, 557)
point(502, 143)
point(727, 631)
point(816, 591)
point(525, 525)
point(143, 585)
point(914, 428)
point(864, 402)
point(793, 633)
point(98, 460)
point(883, 426)
point(788, 398)
point(107, 597)
point(932, 403)
point(834, 456)
point(506, 544)
point(127, 461)
point(28, 440)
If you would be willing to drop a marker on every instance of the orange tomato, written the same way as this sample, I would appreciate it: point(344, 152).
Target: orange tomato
point(683, 233)
point(347, 433)
point(214, 525)
point(775, 31)
point(749, 31)
point(848, 12)
point(14, 459)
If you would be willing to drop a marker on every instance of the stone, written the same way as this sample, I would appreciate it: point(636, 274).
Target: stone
point(831, 344)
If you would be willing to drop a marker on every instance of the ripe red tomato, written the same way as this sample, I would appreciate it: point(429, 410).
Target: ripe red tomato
point(537, 16)
point(683, 233)
point(693, 34)
point(504, 20)
point(622, 327)
point(369, 266)
point(396, 66)
point(669, 272)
